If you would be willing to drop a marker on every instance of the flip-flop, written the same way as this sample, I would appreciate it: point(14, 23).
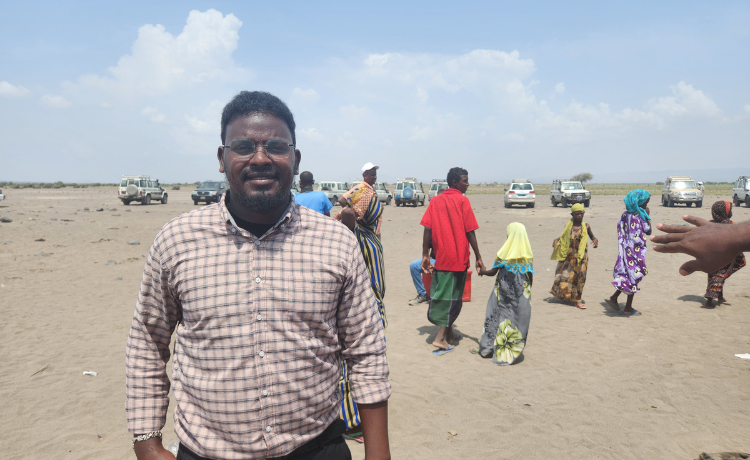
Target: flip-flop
point(457, 337)
point(612, 305)
point(580, 305)
point(441, 352)
point(474, 350)
point(633, 313)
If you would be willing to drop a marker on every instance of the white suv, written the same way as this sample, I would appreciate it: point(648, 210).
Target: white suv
point(435, 188)
point(141, 188)
point(566, 192)
point(741, 191)
point(334, 190)
point(521, 192)
point(409, 190)
point(383, 194)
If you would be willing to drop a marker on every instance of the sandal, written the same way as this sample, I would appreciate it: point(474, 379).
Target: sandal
point(474, 350)
point(581, 305)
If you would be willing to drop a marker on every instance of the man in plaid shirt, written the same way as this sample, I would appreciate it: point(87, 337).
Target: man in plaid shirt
point(264, 298)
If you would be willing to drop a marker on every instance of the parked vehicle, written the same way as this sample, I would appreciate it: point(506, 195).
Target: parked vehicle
point(409, 191)
point(210, 191)
point(2, 197)
point(567, 192)
point(141, 188)
point(681, 189)
point(383, 194)
point(435, 188)
point(521, 192)
point(741, 191)
point(334, 190)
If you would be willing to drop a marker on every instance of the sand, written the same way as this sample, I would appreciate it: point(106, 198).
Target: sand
point(593, 385)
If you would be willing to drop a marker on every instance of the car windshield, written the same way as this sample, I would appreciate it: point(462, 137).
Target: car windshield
point(522, 187)
point(682, 184)
point(572, 186)
point(210, 185)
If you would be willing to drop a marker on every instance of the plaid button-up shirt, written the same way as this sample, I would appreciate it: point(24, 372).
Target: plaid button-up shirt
point(261, 324)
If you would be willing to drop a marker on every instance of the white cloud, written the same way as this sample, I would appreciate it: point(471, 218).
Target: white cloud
point(159, 61)
point(310, 134)
point(153, 114)
point(200, 126)
point(56, 102)
point(686, 101)
point(422, 95)
point(9, 90)
point(353, 113)
point(560, 87)
point(308, 95)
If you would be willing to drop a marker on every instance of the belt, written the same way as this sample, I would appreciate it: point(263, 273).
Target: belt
point(334, 430)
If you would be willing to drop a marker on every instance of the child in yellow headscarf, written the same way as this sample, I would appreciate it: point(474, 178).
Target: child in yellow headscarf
point(506, 322)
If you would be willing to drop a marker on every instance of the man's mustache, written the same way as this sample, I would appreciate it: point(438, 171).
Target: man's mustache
point(261, 172)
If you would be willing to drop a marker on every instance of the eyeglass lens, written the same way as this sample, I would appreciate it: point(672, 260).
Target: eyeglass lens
point(248, 147)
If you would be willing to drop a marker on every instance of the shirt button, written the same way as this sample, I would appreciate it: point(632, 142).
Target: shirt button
point(282, 225)
point(265, 392)
point(257, 243)
point(234, 230)
point(268, 429)
point(259, 317)
point(257, 280)
point(261, 354)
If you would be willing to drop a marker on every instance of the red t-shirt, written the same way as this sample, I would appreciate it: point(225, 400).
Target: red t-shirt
point(450, 217)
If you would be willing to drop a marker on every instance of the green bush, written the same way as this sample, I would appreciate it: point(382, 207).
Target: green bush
point(175, 187)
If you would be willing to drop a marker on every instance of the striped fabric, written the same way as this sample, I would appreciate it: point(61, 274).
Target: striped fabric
point(261, 326)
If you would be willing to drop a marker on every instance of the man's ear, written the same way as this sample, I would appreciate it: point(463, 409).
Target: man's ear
point(220, 156)
point(298, 157)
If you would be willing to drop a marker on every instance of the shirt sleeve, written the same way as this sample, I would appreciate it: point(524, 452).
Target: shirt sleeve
point(147, 352)
point(361, 336)
point(427, 217)
point(327, 206)
point(470, 222)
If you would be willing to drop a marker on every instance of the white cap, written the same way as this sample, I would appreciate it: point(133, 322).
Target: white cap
point(368, 166)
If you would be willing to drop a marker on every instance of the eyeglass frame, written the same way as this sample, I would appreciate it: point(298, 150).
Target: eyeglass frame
point(265, 147)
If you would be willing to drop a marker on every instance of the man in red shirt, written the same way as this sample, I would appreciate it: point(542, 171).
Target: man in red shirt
point(449, 225)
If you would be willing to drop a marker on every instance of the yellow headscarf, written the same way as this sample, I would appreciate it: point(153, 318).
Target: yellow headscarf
point(517, 248)
point(563, 244)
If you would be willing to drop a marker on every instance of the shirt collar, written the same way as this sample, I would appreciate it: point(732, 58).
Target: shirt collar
point(451, 191)
point(281, 225)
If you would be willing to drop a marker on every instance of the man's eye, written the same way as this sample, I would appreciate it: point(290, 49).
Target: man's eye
point(244, 148)
point(277, 148)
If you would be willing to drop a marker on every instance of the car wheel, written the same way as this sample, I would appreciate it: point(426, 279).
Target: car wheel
point(747, 200)
point(146, 200)
point(388, 201)
point(564, 202)
point(507, 205)
point(421, 203)
point(531, 205)
point(195, 202)
point(554, 203)
point(164, 198)
point(335, 200)
point(126, 202)
point(670, 202)
point(736, 200)
point(688, 205)
point(698, 204)
point(587, 203)
point(663, 201)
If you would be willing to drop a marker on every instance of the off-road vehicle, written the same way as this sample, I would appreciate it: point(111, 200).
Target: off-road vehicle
point(334, 190)
point(409, 191)
point(141, 188)
point(741, 191)
point(210, 191)
point(435, 187)
point(567, 192)
point(384, 195)
point(681, 189)
point(521, 192)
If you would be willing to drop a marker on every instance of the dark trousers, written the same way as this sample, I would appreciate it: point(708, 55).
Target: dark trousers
point(329, 445)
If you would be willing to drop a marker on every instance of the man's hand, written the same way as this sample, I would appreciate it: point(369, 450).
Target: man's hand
point(152, 449)
point(480, 267)
point(596, 242)
point(427, 267)
point(554, 243)
point(713, 245)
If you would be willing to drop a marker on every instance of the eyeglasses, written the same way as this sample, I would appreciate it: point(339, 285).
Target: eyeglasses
point(248, 148)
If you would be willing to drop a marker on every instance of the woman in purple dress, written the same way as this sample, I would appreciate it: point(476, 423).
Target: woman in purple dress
point(630, 268)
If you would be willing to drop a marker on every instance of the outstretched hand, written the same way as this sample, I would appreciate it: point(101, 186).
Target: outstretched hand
point(480, 267)
point(711, 244)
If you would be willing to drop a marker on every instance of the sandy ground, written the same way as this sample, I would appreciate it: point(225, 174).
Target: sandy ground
point(593, 385)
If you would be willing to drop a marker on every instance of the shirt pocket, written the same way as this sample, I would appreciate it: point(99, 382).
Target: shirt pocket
point(311, 303)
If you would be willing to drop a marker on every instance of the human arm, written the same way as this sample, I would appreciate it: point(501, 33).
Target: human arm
point(554, 242)
point(377, 229)
point(471, 236)
point(591, 235)
point(328, 213)
point(375, 430)
point(713, 245)
point(147, 353)
point(491, 272)
point(342, 201)
point(427, 267)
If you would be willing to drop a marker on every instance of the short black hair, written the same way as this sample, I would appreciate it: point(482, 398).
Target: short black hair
point(306, 177)
point(455, 175)
point(247, 102)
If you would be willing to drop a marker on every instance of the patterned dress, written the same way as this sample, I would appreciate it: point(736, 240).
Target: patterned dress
point(364, 201)
point(630, 267)
point(570, 277)
point(722, 213)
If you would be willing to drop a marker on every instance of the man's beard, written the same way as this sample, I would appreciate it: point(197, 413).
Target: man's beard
point(261, 201)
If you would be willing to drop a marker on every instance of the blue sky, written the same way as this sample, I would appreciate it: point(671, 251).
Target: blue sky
point(625, 90)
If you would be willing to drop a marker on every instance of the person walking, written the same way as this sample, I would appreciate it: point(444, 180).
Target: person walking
point(269, 297)
point(630, 267)
point(570, 249)
point(506, 321)
point(721, 211)
point(309, 198)
point(449, 226)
